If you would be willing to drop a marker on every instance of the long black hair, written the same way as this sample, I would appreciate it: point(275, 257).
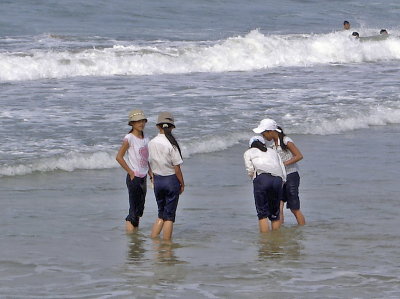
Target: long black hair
point(168, 133)
point(258, 144)
point(281, 135)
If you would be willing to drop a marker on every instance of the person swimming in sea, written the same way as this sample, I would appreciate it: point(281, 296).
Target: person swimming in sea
point(346, 25)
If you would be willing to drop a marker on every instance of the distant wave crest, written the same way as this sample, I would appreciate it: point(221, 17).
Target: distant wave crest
point(242, 53)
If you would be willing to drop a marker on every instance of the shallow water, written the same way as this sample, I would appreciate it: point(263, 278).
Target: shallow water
point(71, 243)
point(69, 74)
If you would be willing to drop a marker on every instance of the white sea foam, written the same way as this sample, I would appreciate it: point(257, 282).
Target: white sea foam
point(242, 53)
point(69, 162)
point(378, 116)
point(212, 144)
point(105, 159)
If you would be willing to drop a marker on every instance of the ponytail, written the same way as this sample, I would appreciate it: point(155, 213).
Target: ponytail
point(168, 133)
point(281, 135)
point(258, 144)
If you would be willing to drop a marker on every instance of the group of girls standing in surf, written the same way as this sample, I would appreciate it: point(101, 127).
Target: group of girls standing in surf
point(273, 169)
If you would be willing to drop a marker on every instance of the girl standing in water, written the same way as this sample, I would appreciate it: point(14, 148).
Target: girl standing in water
point(137, 167)
point(290, 155)
point(266, 169)
point(165, 160)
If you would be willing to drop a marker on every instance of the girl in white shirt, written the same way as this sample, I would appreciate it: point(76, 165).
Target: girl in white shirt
point(136, 165)
point(266, 169)
point(290, 155)
point(165, 160)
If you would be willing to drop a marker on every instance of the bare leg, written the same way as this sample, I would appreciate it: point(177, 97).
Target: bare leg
point(299, 217)
point(167, 230)
point(264, 225)
point(157, 227)
point(276, 224)
point(281, 217)
point(129, 227)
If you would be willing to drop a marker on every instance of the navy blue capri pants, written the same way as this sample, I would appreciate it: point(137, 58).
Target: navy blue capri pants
point(291, 191)
point(166, 190)
point(267, 196)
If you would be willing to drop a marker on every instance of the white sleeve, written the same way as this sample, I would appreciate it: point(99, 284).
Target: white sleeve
point(248, 164)
point(287, 139)
point(176, 158)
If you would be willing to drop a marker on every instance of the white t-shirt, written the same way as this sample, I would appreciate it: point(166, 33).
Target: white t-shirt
point(138, 154)
point(163, 156)
point(286, 155)
point(258, 162)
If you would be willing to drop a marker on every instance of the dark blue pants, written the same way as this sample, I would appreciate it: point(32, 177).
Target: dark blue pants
point(291, 191)
point(166, 190)
point(137, 189)
point(267, 196)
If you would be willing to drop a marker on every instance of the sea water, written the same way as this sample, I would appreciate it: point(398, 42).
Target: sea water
point(71, 71)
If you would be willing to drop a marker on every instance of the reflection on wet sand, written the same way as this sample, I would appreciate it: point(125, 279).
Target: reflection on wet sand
point(280, 244)
point(164, 251)
point(136, 250)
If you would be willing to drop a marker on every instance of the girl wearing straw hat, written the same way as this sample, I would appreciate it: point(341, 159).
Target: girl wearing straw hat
point(136, 164)
point(165, 159)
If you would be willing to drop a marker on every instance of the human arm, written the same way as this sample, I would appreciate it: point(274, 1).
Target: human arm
point(179, 175)
point(150, 172)
point(120, 159)
point(297, 155)
point(248, 164)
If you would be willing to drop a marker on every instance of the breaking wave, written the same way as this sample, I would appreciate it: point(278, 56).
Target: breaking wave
point(253, 51)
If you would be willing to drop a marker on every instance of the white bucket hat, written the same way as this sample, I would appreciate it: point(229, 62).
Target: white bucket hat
point(256, 138)
point(266, 124)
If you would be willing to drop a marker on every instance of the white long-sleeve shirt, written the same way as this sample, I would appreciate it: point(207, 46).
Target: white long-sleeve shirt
point(258, 162)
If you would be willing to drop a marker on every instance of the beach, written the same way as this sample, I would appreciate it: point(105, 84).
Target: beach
point(70, 72)
point(76, 246)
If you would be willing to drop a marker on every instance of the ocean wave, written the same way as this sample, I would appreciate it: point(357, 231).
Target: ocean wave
point(105, 159)
point(69, 162)
point(253, 51)
point(377, 116)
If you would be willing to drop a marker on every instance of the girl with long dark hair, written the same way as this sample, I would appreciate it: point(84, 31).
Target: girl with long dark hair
point(165, 159)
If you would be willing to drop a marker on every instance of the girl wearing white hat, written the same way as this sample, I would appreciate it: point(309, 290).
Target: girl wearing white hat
point(165, 160)
point(266, 169)
point(290, 155)
point(136, 164)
